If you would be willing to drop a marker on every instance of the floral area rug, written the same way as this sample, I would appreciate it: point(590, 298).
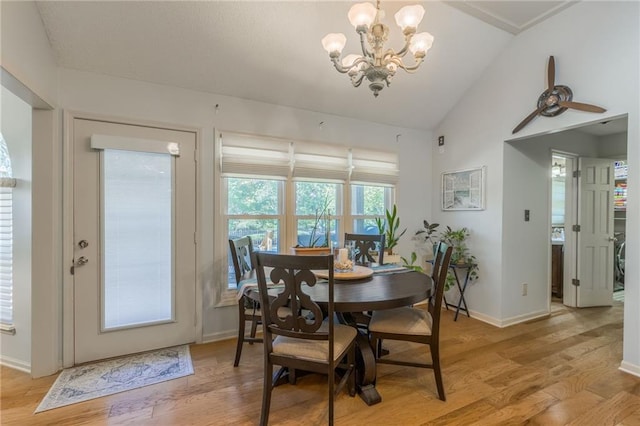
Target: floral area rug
point(103, 378)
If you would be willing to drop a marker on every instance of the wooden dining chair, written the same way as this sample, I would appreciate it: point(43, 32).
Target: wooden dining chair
point(415, 324)
point(365, 244)
point(302, 339)
point(248, 304)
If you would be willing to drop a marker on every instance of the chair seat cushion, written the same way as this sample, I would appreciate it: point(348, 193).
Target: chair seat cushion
point(316, 350)
point(405, 320)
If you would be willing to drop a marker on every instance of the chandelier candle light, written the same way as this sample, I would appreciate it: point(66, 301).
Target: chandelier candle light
point(375, 63)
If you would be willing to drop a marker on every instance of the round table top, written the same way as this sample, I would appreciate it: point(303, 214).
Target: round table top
point(380, 291)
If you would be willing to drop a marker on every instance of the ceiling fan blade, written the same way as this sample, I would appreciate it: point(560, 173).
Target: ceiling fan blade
point(528, 119)
point(581, 106)
point(551, 74)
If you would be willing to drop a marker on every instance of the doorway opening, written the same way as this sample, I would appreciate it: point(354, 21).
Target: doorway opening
point(607, 142)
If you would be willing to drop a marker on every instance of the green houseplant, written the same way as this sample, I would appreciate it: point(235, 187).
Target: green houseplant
point(429, 237)
point(460, 255)
point(319, 232)
point(390, 227)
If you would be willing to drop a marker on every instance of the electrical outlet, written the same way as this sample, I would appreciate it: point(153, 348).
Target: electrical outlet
point(524, 288)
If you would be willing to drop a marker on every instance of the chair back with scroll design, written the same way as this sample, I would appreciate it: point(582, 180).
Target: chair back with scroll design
point(365, 244)
point(300, 339)
point(241, 251)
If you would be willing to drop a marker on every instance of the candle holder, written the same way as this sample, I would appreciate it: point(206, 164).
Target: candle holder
point(343, 258)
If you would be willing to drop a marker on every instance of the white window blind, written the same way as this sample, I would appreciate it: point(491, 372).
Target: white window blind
point(312, 160)
point(243, 154)
point(7, 183)
point(261, 156)
point(374, 166)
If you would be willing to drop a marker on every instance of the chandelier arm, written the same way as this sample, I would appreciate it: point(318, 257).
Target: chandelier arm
point(338, 65)
point(405, 48)
point(409, 69)
point(365, 52)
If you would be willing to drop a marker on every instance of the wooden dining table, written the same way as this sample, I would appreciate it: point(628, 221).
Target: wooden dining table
point(385, 290)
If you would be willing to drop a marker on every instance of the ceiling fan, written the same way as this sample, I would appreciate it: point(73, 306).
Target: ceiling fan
point(555, 100)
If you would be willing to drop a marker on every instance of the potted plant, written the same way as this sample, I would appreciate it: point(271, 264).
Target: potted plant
point(460, 255)
point(390, 228)
point(428, 236)
point(411, 264)
point(319, 232)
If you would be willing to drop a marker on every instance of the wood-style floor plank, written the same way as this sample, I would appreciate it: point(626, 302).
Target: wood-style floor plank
point(551, 371)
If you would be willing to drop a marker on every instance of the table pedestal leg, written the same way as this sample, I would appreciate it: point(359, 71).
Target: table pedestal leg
point(366, 371)
point(365, 362)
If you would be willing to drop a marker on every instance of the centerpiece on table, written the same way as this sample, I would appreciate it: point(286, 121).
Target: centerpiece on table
point(343, 262)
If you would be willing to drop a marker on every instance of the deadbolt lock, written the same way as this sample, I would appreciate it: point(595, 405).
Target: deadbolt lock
point(83, 244)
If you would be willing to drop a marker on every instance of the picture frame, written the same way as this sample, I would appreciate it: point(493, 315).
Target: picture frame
point(464, 189)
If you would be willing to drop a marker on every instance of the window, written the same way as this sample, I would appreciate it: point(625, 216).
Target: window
point(7, 183)
point(318, 213)
point(254, 208)
point(368, 203)
point(284, 193)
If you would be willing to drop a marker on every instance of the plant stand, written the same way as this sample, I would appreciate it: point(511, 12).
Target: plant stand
point(462, 303)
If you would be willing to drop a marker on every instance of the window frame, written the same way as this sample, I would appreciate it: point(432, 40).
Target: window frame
point(339, 206)
point(226, 217)
point(389, 197)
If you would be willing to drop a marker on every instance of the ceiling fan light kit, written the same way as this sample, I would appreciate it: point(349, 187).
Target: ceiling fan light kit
point(555, 100)
point(375, 63)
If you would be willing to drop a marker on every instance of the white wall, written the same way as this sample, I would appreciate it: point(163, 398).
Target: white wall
point(597, 53)
point(134, 100)
point(26, 52)
point(15, 350)
point(614, 146)
point(29, 70)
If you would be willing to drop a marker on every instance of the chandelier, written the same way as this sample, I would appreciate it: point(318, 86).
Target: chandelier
point(377, 64)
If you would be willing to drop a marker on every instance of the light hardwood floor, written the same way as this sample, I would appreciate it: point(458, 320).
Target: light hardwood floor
point(558, 370)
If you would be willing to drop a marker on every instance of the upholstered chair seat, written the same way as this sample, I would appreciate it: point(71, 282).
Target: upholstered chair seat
point(316, 350)
point(403, 320)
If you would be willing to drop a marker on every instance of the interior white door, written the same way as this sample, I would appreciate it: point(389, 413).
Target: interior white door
point(595, 239)
point(134, 219)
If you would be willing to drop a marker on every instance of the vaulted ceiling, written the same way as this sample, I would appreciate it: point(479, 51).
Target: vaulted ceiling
point(270, 51)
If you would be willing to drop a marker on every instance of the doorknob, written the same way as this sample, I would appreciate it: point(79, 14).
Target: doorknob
point(83, 244)
point(614, 239)
point(82, 261)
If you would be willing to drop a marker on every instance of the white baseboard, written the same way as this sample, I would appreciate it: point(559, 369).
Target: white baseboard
point(482, 317)
point(627, 367)
point(16, 364)
point(507, 321)
point(522, 318)
point(219, 336)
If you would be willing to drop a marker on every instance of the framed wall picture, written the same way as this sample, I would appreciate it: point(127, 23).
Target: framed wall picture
point(463, 189)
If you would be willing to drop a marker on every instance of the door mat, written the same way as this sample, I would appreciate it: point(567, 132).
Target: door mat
point(89, 381)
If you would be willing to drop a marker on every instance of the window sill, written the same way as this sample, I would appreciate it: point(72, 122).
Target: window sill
point(7, 329)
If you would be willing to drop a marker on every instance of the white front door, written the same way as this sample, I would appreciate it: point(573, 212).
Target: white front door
point(134, 223)
point(595, 239)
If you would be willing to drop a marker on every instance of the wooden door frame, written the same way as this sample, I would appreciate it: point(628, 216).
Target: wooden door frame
point(68, 351)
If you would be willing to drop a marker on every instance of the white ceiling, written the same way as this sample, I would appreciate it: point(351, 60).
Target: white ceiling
point(511, 16)
point(270, 51)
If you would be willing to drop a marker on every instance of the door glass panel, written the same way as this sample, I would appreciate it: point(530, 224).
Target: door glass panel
point(137, 208)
